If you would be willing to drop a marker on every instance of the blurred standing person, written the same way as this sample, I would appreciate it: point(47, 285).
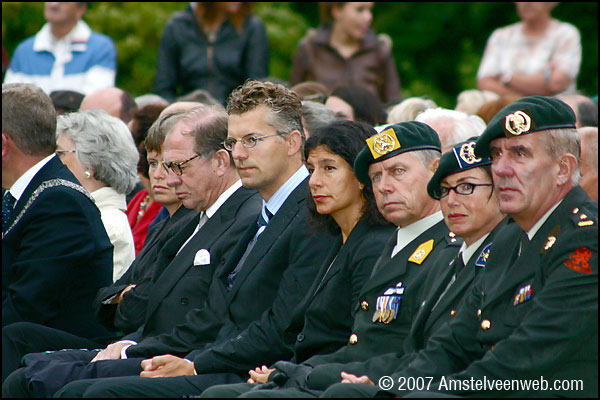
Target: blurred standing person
point(99, 150)
point(65, 54)
point(344, 50)
point(214, 46)
point(537, 56)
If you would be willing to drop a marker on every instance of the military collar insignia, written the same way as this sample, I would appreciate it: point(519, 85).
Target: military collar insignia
point(452, 236)
point(517, 123)
point(523, 295)
point(551, 239)
point(383, 143)
point(421, 252)
point(483, 256)
point(388, 305)
point(465, 156)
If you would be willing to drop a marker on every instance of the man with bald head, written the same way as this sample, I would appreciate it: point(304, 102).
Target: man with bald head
point(588, 161)
point(451, 126)
point(113, 100)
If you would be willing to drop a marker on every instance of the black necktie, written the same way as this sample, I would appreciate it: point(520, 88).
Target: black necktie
point(524, 242)
point(8, 204)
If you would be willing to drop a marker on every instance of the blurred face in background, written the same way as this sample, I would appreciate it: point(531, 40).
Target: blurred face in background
point(63, 12)
point(354, 18)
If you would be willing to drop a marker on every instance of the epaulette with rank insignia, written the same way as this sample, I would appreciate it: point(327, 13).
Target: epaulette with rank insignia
point(582, 219)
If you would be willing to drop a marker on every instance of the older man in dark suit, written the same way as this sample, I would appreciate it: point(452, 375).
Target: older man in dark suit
point(255, 290)
point(55, 251)
point(185, 265)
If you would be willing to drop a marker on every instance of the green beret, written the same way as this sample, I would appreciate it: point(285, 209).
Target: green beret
point(393, 140)
point(460, 158)
point(524, 116)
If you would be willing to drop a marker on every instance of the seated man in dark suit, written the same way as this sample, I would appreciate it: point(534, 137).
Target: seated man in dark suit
point(120, 313)
point(254, 292)
point(55, 251)
point(185, 265)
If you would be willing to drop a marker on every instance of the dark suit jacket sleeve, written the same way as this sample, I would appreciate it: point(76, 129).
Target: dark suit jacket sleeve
point(262, 343)
point(58, 237)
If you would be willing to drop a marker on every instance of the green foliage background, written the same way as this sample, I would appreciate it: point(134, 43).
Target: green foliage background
point(437, 46)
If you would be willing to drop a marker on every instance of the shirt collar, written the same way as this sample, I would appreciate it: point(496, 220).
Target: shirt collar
point(210, 211)
point(410, 232)
point(277, 200)
point(467, 252)
point(79, 35)
point(107, 197)
point(24, 180)
point(536, 227)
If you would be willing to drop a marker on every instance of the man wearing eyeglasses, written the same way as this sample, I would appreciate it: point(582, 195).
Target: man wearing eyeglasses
point(254, 292)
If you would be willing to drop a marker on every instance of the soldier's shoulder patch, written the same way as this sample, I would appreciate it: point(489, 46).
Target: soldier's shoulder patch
point(421, 253)
point(483, 256)
point(579, 260)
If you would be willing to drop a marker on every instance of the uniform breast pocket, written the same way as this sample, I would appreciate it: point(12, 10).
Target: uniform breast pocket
point(519, 305)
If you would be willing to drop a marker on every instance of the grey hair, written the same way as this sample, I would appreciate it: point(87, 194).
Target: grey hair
point(426, 156)
point(470, 101)
point(316, 115)
point(561, 141)
point(104, 144)
point(408, 109)
point(465, 125)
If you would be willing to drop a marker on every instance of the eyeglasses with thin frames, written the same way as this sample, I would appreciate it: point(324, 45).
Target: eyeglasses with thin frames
point(61, 152)
point(464, 188)
point(176, 166)
point(247, 141)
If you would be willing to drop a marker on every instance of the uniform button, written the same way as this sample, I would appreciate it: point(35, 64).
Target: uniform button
point(353, 339)
point(452, 313)
point(300, 337)
point(184, 301)
point(486, 324)
point(364, 305)
point(479, 312)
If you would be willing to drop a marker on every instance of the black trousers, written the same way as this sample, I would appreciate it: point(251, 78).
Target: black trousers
point(134, 386)
point(23, 338)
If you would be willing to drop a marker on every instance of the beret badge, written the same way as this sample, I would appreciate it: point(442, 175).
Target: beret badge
point(383, 143)
point(467, 154)
point(517, 123)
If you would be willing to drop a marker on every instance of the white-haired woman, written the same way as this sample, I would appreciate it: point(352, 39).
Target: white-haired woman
point(98, 148)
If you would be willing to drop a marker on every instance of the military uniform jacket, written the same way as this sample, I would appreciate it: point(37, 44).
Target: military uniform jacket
point(181, 280)
point(406, 279)
point(428, 319)
point(236, 326)
point(530, 315)
point(128, 315)
point(56, 255)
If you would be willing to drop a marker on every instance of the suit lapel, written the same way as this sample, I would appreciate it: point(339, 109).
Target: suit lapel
point(277, 225)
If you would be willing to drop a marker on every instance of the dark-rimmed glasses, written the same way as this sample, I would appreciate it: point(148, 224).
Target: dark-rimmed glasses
point(176, 166)
point(464, 188)
point(248, 141)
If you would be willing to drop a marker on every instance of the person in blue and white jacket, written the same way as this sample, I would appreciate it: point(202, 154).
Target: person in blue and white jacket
point(65, 54)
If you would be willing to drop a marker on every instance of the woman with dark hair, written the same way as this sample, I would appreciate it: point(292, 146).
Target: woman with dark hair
point(322, 322)
point(355, 103)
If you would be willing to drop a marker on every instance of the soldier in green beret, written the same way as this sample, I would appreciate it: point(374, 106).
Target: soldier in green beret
point(397, 163)
point(533, 314)
point(463, 184)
